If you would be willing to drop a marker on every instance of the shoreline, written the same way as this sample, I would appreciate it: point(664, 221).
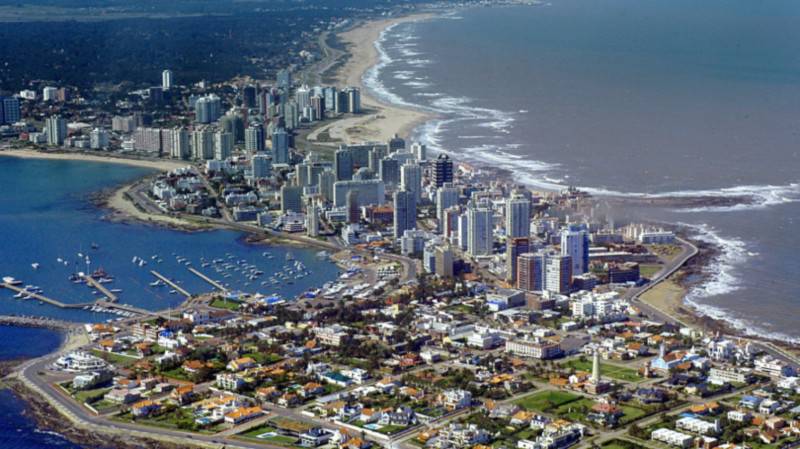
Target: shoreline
point(685, 280)
point(60, 155)
point(380, 120)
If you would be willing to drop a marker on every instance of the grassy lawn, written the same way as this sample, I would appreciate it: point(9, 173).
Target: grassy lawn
point(90, 396)
point(575, 410)
point(631, 413)
point(647, 270)
point(390, 429)
point(621, 444)
point(116, 359)
point(546, 400)
point(176, 373)
point(263, 358)
point(281, 440)
point(223, 304)
point(607, 370)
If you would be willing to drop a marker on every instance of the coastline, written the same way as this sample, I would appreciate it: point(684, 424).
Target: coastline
point(381, 120)
point(157, 164)
point(673, 292)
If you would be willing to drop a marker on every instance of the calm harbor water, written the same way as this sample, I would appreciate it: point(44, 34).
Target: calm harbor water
point(47, 217)
point(631, 98)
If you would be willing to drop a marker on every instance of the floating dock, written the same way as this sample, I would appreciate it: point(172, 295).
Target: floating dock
point(214, 283)
point(42, 298)
point(101, 288)
point(175, 286)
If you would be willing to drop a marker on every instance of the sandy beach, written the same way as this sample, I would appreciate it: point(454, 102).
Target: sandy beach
point(157, 164)
point(380, 121)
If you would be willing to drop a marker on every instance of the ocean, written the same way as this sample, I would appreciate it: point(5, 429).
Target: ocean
point(631, 98)
point(18, 431)
point(47, 217)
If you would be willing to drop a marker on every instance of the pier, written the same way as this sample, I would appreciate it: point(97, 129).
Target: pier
point(42, 298)
point(214, 283)
point(175, 286)
point(123, 307)
point(36, 321)
point(111, 297)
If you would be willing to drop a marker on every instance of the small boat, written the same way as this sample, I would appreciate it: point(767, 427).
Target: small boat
point(95, 245)
point(35, 265)
point(11, 281)
point(116, 290)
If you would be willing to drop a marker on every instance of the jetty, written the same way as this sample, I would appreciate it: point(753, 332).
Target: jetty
point(37, 321)
point(213, 283)
point(100, 287)
point(175, 286)
point(45, 299)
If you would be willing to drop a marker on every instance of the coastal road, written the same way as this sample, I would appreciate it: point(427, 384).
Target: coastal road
point(85, 419)
point(688, 250)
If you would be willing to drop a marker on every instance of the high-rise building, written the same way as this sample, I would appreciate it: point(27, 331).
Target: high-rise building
point(223, 145)
point(411, 179)
point(291, 198)
point(180, 143)
point(330, 96)
point(420, 151)
point(249, 96)
point(207, 109)
point(353, 100)
point(56, 128)
point(123, 124)
point(442, 170)
point(166, 79)
point(50, 93)
point(444, 262)
point(147, 139)
point(325, 181)
point(558, 274)
point(98, 139)
point(370, 191)
point(396, 143)
point(318, 108)
point(479, 233)
point(261, 166)
point(405, 212)
point(530, 271)
point(233, 123)
point(202, 144)
point(389, 171)
point(575, 243)
point(518, 213)
point(302, 97)
point(353, 208)
point(462, 236)
point(280, 147)
point(446, 197)
point(312, 220)
point(343, 164)
point(254, 138)
point(515, 247)
point(284, 79)
point(9, 110)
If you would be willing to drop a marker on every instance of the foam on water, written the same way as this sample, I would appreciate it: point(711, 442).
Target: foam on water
point(721, 278)
point(458, 112)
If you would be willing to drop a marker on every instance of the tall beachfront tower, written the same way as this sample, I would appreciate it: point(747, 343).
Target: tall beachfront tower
point(518, 217)
point(596, 367)
point(166, 79)
point(575, 243)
